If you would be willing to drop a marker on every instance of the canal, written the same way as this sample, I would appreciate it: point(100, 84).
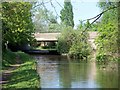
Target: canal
point(61, 72)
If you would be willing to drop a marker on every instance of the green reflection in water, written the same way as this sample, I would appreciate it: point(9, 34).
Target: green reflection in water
point(107, 75)
point(76, 73)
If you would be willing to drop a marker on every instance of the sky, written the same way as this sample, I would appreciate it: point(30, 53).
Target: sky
point(82, 9)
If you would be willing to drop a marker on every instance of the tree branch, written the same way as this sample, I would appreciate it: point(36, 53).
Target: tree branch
point(59, 4)
point(54, 8)
point(99, 15)
point(41, 4)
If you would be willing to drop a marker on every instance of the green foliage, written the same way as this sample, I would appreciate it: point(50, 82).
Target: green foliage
point(8, 58)
point(17, 24)
point(118, 35)
point(80, 47)
point(67, 14)
point(25, 76)
point(90, 27)
point(107, 40)
point(94, 27)
point(79, 50)
point(65, 40)
point(45, 21)
point(101, 56)
point(41, 19)
point(74, 43)
point(105, 4)
point(54, 27)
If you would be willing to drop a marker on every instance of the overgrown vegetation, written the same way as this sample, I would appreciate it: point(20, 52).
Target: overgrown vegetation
point(74, 43)
point(24, 76)
point(17, 26)
point(17, 30)
point(106, 42)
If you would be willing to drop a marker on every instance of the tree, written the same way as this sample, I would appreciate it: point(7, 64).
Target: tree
point(17, 26)
point(83, 26)
point(41, 20)
point(67, 14)
point(73, 43)
point(45, 21)
point(65, 40)
point(107, 39)
point(118, 41)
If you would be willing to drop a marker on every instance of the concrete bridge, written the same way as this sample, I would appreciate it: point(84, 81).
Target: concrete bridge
point(92, 36)
point(53, 37)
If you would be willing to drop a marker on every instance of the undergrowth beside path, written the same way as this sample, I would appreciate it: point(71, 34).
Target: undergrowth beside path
point(19, 71)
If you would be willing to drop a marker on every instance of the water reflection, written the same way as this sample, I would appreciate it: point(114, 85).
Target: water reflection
point(107, 74)
point(59, 72)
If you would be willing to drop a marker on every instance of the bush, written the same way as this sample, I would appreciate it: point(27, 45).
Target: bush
point(65, 40)
point(73, 43)
point(79, 50)
point(101, 56)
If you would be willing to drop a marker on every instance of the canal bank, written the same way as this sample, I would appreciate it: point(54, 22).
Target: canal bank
point(19, 71)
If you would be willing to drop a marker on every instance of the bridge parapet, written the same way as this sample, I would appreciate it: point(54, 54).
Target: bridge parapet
point(54, 36)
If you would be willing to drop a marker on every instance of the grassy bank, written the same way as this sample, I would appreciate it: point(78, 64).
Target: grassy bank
point(25, 75)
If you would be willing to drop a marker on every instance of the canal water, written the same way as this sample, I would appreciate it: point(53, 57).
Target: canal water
point(61, 72)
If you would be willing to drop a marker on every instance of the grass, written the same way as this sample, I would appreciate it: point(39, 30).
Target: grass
point(8, 58)
point(25, 76)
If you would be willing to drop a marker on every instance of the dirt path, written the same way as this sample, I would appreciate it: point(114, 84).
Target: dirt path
point(6, 74)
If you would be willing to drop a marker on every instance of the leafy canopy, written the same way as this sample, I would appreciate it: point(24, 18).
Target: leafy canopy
point(108, 29)
point(17, 23)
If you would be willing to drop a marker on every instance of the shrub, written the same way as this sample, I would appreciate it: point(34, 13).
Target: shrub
point(79, 50)
point(73, 43)
point(65, 40)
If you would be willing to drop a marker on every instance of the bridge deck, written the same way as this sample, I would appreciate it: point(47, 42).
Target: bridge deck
point(46, 37)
